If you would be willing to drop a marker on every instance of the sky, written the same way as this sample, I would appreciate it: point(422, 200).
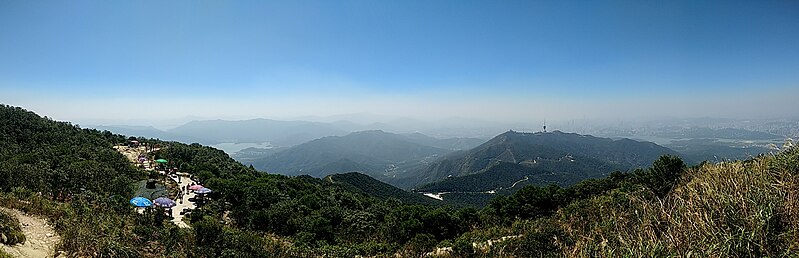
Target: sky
point(489, 60)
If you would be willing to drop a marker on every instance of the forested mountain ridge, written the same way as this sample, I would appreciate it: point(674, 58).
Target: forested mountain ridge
point(373, 187)
point(573, 156)
point(379, 154)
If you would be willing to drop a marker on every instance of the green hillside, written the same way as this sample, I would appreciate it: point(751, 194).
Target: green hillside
point(555, 157)
point(86, 184)
point(376, 153)
point(509, 177)
point(59, 159)
point(374, 187)
point(735, 209)
point(74, 178)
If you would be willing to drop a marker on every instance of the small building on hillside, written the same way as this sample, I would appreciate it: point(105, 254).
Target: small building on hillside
point(133, 144)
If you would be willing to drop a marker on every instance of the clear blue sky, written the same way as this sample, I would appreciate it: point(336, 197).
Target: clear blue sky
point(324, 57)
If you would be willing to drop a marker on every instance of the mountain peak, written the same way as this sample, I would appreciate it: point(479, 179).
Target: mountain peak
point(562, 157)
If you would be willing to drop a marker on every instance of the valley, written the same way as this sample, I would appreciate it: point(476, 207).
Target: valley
point(458, 167)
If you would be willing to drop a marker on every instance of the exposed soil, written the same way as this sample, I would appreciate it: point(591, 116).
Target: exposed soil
point(40, 238)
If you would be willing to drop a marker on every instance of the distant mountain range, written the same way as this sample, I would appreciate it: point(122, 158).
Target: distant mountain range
point(698, 150)
point(709, 133)
point(279, 133)
point(211, 132)
point(275, 132)
point(146, 131)
point(376, 153)
point(508, 161)
point(469, 165)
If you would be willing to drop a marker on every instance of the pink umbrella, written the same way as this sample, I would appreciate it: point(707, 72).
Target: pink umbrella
point(195, 187)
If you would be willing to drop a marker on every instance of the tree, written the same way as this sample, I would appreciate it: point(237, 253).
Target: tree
point(663, 175)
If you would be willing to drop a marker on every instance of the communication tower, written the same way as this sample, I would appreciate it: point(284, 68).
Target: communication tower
point(545, 125)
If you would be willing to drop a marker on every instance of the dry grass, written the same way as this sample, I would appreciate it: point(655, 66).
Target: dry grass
point(734, 209)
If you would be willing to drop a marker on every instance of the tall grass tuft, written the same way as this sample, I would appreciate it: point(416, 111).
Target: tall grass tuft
point(744, 208)
point(731, 209)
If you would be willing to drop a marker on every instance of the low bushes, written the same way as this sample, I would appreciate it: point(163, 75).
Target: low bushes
point(10, 229)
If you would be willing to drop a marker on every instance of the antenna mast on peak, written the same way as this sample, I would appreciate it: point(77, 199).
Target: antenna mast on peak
point(545, 125)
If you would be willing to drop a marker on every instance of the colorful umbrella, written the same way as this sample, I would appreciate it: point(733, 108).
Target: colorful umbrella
point(141, 202)
point(161, 161)
point(202, 190)
point(195, 187)
point(164, 202)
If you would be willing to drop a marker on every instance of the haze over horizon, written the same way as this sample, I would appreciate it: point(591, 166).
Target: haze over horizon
point(518, 61)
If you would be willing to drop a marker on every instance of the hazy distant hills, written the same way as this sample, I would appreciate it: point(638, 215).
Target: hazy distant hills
point(698, 143)
point(146, 131)
point(280, 133)
point(698, 150)
point(448, 143)
point(508, 161)
point(211, 132)
point(249, 155)
point(709, 133)
point(376, 153)
point(554, 157)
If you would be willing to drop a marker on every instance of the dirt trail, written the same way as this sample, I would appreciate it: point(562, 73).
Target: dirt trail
point(183, 200)
point(40, 238)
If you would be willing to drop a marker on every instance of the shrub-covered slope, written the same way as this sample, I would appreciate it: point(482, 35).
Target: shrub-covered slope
point(734, 209)
point(379, 154)
point(59, 159)
point(373, 187)
point(542, 158)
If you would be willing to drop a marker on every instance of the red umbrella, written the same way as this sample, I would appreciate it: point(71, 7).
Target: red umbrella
point(195, 187)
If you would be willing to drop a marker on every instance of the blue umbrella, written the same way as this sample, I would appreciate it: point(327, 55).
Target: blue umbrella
point(202, 190)
point(141, 202)
point(164, 202)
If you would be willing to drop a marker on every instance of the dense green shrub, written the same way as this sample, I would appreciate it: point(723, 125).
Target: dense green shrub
point(10, 229)
point(662, 176)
